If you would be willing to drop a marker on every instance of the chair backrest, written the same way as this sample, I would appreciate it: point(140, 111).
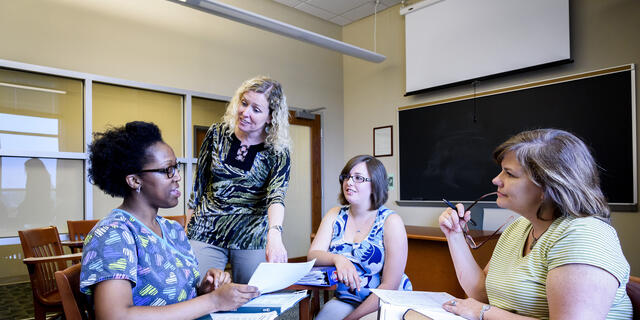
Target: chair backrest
point(74, 302)
point(181, 219)
point(42, 242)
point(78, 229)
point(633, 290)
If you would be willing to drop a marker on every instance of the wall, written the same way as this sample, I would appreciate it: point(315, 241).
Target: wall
point(163, 43)
point(604, 34)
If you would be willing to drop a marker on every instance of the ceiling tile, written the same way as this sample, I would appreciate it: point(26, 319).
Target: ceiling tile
point(340, 20)
point(362, 11)
point(337, 6)
point(290, 3)
point(388, 3)
point(320, 13)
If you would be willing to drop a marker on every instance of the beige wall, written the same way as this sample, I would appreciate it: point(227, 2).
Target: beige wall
point(163, 43)
point(604, 34)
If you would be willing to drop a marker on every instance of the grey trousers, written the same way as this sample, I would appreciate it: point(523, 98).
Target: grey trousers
point(335, 309)
point(243, 262)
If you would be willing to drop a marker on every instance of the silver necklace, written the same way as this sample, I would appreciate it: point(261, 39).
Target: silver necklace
point(535, 240)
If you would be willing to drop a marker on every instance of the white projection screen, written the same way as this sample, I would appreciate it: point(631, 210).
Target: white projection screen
point(455, 41)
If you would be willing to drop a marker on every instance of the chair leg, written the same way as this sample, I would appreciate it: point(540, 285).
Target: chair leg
point(39, 311)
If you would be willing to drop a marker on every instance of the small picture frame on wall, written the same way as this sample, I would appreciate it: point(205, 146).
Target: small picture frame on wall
point(383, 141)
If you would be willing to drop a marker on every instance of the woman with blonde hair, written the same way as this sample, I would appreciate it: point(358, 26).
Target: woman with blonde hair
point(561, 259)
point(241, 182)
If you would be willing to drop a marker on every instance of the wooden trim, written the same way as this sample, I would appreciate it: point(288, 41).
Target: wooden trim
point(316, 167)
point(298, 259)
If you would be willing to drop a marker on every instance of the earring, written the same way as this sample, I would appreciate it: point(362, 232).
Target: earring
point(267, 128)
point(139, 186)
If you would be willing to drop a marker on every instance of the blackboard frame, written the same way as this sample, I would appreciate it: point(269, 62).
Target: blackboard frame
point(504, 92)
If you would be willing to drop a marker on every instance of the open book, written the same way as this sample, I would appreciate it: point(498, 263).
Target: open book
point(394, 303)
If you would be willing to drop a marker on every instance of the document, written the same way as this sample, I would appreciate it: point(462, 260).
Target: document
point(270, 277)
point(278, 302)
point(244, 316)
point(394, 303)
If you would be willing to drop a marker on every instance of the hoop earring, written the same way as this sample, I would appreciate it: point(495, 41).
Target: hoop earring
point(139, 186)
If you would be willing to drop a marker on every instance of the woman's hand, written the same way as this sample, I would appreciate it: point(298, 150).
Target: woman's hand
point(452, 222)
point(347, 272)
point(230, 296)
point(467, 308)
point(275, 250)
point(212, 280)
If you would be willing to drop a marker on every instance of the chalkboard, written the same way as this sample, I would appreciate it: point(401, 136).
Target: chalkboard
point(446, 149)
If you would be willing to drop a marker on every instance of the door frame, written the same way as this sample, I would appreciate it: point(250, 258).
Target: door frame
point(315, 165)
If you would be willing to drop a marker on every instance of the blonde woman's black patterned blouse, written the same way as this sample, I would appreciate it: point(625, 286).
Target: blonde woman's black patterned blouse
point(232, 190)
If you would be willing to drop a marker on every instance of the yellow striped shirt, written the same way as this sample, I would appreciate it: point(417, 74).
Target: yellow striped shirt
point(518, 284)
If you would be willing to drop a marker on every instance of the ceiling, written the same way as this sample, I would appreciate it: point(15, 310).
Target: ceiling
point(341, 12)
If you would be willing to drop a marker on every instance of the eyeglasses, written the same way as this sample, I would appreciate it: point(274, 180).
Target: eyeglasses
point(356, 178)
point(465, 230)
point(169, 171)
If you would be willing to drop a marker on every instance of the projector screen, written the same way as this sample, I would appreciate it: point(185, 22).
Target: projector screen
point(451, 42)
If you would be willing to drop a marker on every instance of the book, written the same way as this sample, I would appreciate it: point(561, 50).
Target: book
point(273, 302)
point(320, 276)
point(394, 304)
point(240, 316)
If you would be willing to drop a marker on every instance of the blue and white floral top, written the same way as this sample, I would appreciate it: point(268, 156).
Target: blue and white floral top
point(367, 256)
point(162, 270)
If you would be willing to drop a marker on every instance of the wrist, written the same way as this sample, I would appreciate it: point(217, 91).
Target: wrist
point(485, 309)
point(275, 228)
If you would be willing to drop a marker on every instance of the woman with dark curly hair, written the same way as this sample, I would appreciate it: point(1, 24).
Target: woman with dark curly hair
point(136, 264)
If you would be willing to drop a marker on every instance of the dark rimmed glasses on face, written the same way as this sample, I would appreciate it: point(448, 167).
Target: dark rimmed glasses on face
point(169, 171)
point(356, 178)
point(465, 230)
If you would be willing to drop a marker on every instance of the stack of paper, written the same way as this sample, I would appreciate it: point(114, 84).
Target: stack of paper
point(320, 276)
point(244, 316)
point(394, 303)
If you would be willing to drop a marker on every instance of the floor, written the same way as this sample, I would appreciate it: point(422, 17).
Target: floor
point(16, 301)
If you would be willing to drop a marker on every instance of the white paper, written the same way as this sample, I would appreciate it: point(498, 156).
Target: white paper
point(393, 304)
point(270, 277)
point(244, 316)
point(283, 300)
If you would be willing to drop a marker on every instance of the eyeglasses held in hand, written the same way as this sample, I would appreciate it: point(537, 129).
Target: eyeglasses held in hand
point(465, 230)
point(356, 178)
point(169, 171)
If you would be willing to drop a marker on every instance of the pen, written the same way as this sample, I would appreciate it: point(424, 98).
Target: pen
point(452, 206)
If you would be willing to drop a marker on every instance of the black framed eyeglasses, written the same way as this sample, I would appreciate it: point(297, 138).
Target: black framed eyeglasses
point(356, 178)
point(169, 171)
point(465, 230)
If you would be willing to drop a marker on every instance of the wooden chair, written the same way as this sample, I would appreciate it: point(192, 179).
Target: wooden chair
point(43, 256)
point(633, 290)
point(74, 302)
point(181, 219)
point(78, 230)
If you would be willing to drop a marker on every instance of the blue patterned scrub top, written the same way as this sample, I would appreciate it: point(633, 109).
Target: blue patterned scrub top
point(367, 256)
point(162, 271)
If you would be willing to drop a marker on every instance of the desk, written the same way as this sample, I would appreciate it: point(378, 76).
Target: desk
point(429, 264)
point(315, 299)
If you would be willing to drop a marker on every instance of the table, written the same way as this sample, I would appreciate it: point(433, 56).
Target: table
point(429, 264)
point(311, 312)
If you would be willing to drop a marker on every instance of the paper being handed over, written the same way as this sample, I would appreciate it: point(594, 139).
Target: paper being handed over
point(270, 277)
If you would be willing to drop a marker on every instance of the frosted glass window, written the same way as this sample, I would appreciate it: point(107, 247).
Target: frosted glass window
point(40, 112)
point(38, 192)
point(114, 106)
